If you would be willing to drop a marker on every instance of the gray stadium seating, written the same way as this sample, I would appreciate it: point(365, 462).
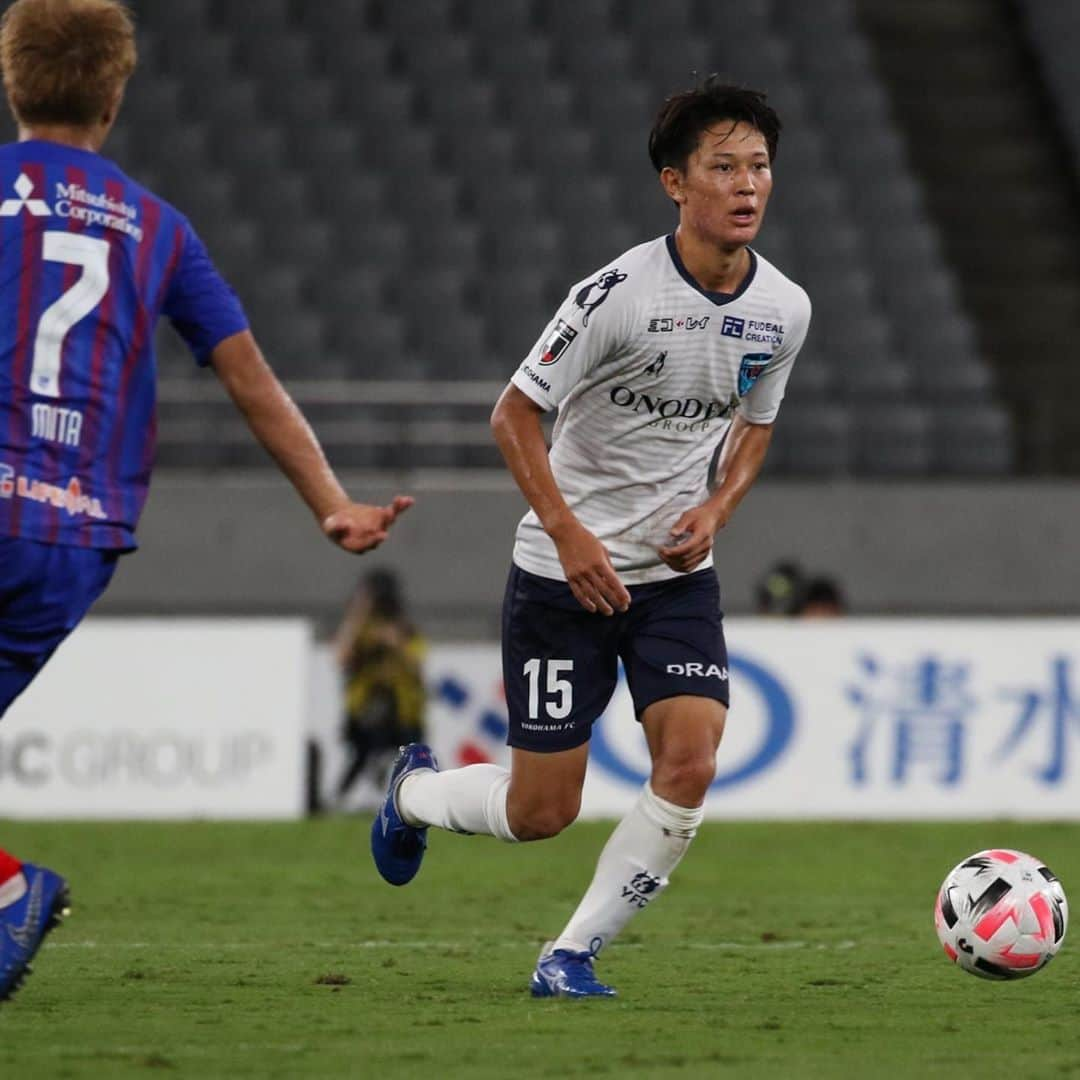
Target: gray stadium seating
point(347, 157)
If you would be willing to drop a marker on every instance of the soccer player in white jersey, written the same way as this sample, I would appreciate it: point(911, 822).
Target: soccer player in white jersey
point(667, 367)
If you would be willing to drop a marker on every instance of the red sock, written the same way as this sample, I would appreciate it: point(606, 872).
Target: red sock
point(9, 866)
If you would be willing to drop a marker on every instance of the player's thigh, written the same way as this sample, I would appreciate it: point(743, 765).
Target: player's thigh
point(45, 591)
point(560, 664)
point(677, 672)
point(673, 645)
point(683, 734)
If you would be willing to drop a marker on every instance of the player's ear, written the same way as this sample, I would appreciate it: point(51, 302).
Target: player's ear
point(109, 117)
point(672, 181)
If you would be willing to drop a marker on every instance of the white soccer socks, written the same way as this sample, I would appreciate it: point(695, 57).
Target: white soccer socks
point(467, 800)
point(632, 870)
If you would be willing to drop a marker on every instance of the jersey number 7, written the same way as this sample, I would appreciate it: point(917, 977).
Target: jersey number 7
point(74, 304)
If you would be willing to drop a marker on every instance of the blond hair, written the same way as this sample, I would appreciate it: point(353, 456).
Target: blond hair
point(65, 61)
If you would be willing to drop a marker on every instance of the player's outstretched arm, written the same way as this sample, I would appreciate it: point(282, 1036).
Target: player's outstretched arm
point(279, 425)
point(740, 462)
point(515, 423)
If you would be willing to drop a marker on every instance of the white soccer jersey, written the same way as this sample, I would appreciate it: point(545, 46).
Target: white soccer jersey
point(647, 370)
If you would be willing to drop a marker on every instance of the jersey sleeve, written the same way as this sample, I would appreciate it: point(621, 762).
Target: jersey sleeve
point(588, 327)
point(199, 302)
point(761, 403)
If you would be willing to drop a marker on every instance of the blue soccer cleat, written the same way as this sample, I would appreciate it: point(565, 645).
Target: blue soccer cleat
point(398, 848)
point(563, 973)
point(24, 924)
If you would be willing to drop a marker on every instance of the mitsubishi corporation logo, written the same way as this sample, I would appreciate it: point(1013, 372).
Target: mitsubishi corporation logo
point(24, 188)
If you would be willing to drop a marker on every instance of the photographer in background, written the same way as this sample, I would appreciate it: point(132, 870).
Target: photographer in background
point(380, 655)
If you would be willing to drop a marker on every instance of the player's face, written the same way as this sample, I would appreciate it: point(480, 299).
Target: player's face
point(726, 185)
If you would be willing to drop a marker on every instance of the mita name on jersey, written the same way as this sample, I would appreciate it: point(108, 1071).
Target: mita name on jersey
point(647, 370)
point(89, 260)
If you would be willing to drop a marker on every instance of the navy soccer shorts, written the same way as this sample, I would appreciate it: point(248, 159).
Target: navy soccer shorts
point(560, 662)
point(45, 590)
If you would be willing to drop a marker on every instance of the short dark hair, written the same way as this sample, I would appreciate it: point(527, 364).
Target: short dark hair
point(683, 117)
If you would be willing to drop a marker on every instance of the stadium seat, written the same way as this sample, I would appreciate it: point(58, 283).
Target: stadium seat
point(379, 107)
point(299, 110)
point(452, 243)
point(245, 19)
point(556, 153)
point(418, 18)
point(467, 108)
point(506, 142)
point(437, 62)
point(583, 20)
point(973, 440)
point(514, 304)
point(343, 20)
point(327, 153)
point(484, 156)
point(184, 18)
point(529, 242)
point(893, 440)
point(505, 25)
point(813, 442)
point(235, 250)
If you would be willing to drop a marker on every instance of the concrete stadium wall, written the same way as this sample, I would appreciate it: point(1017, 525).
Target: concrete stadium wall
point(242, 543)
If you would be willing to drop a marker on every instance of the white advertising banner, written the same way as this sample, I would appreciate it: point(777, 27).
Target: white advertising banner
point(839, 719)
point(162, 718)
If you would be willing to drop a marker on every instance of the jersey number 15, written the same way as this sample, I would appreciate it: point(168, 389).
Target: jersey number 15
point(560, 691)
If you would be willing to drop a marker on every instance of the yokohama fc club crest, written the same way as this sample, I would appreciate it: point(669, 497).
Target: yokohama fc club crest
point(557, 343)
point(753, 364)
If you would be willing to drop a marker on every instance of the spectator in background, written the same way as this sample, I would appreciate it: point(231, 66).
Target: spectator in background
point(822, 598)
point(380, 655)
point(780, 590)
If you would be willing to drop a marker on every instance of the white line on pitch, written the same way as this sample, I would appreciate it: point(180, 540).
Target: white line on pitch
point(241, 946)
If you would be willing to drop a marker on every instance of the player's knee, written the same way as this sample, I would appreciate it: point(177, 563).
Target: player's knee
point(541, 822)
point(684, 779)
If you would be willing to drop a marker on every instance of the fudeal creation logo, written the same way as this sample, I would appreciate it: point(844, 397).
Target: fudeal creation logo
point(732, 327)
point(24, 189)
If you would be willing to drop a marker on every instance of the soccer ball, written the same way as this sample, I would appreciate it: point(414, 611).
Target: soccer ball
point(1001, 915)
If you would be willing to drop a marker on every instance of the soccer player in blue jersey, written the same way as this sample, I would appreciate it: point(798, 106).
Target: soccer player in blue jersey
point(89, 261)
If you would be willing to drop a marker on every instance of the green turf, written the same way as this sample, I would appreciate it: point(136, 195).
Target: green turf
point(786, 951)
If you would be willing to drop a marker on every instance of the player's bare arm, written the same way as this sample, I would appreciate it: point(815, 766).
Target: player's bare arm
point(515, 423)
point(279, 425)
point(740, 462)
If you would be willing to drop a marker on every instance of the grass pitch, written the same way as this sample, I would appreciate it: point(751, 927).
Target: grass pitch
point(793, 951)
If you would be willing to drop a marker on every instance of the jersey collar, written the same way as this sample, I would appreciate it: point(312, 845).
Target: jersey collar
point(718, 298)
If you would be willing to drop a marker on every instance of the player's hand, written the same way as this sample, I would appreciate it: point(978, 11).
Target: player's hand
point(589, 573)
point(692, 537)
point(359, 528)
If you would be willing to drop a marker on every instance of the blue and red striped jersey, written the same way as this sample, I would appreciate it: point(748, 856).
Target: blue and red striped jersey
point(89, 260)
